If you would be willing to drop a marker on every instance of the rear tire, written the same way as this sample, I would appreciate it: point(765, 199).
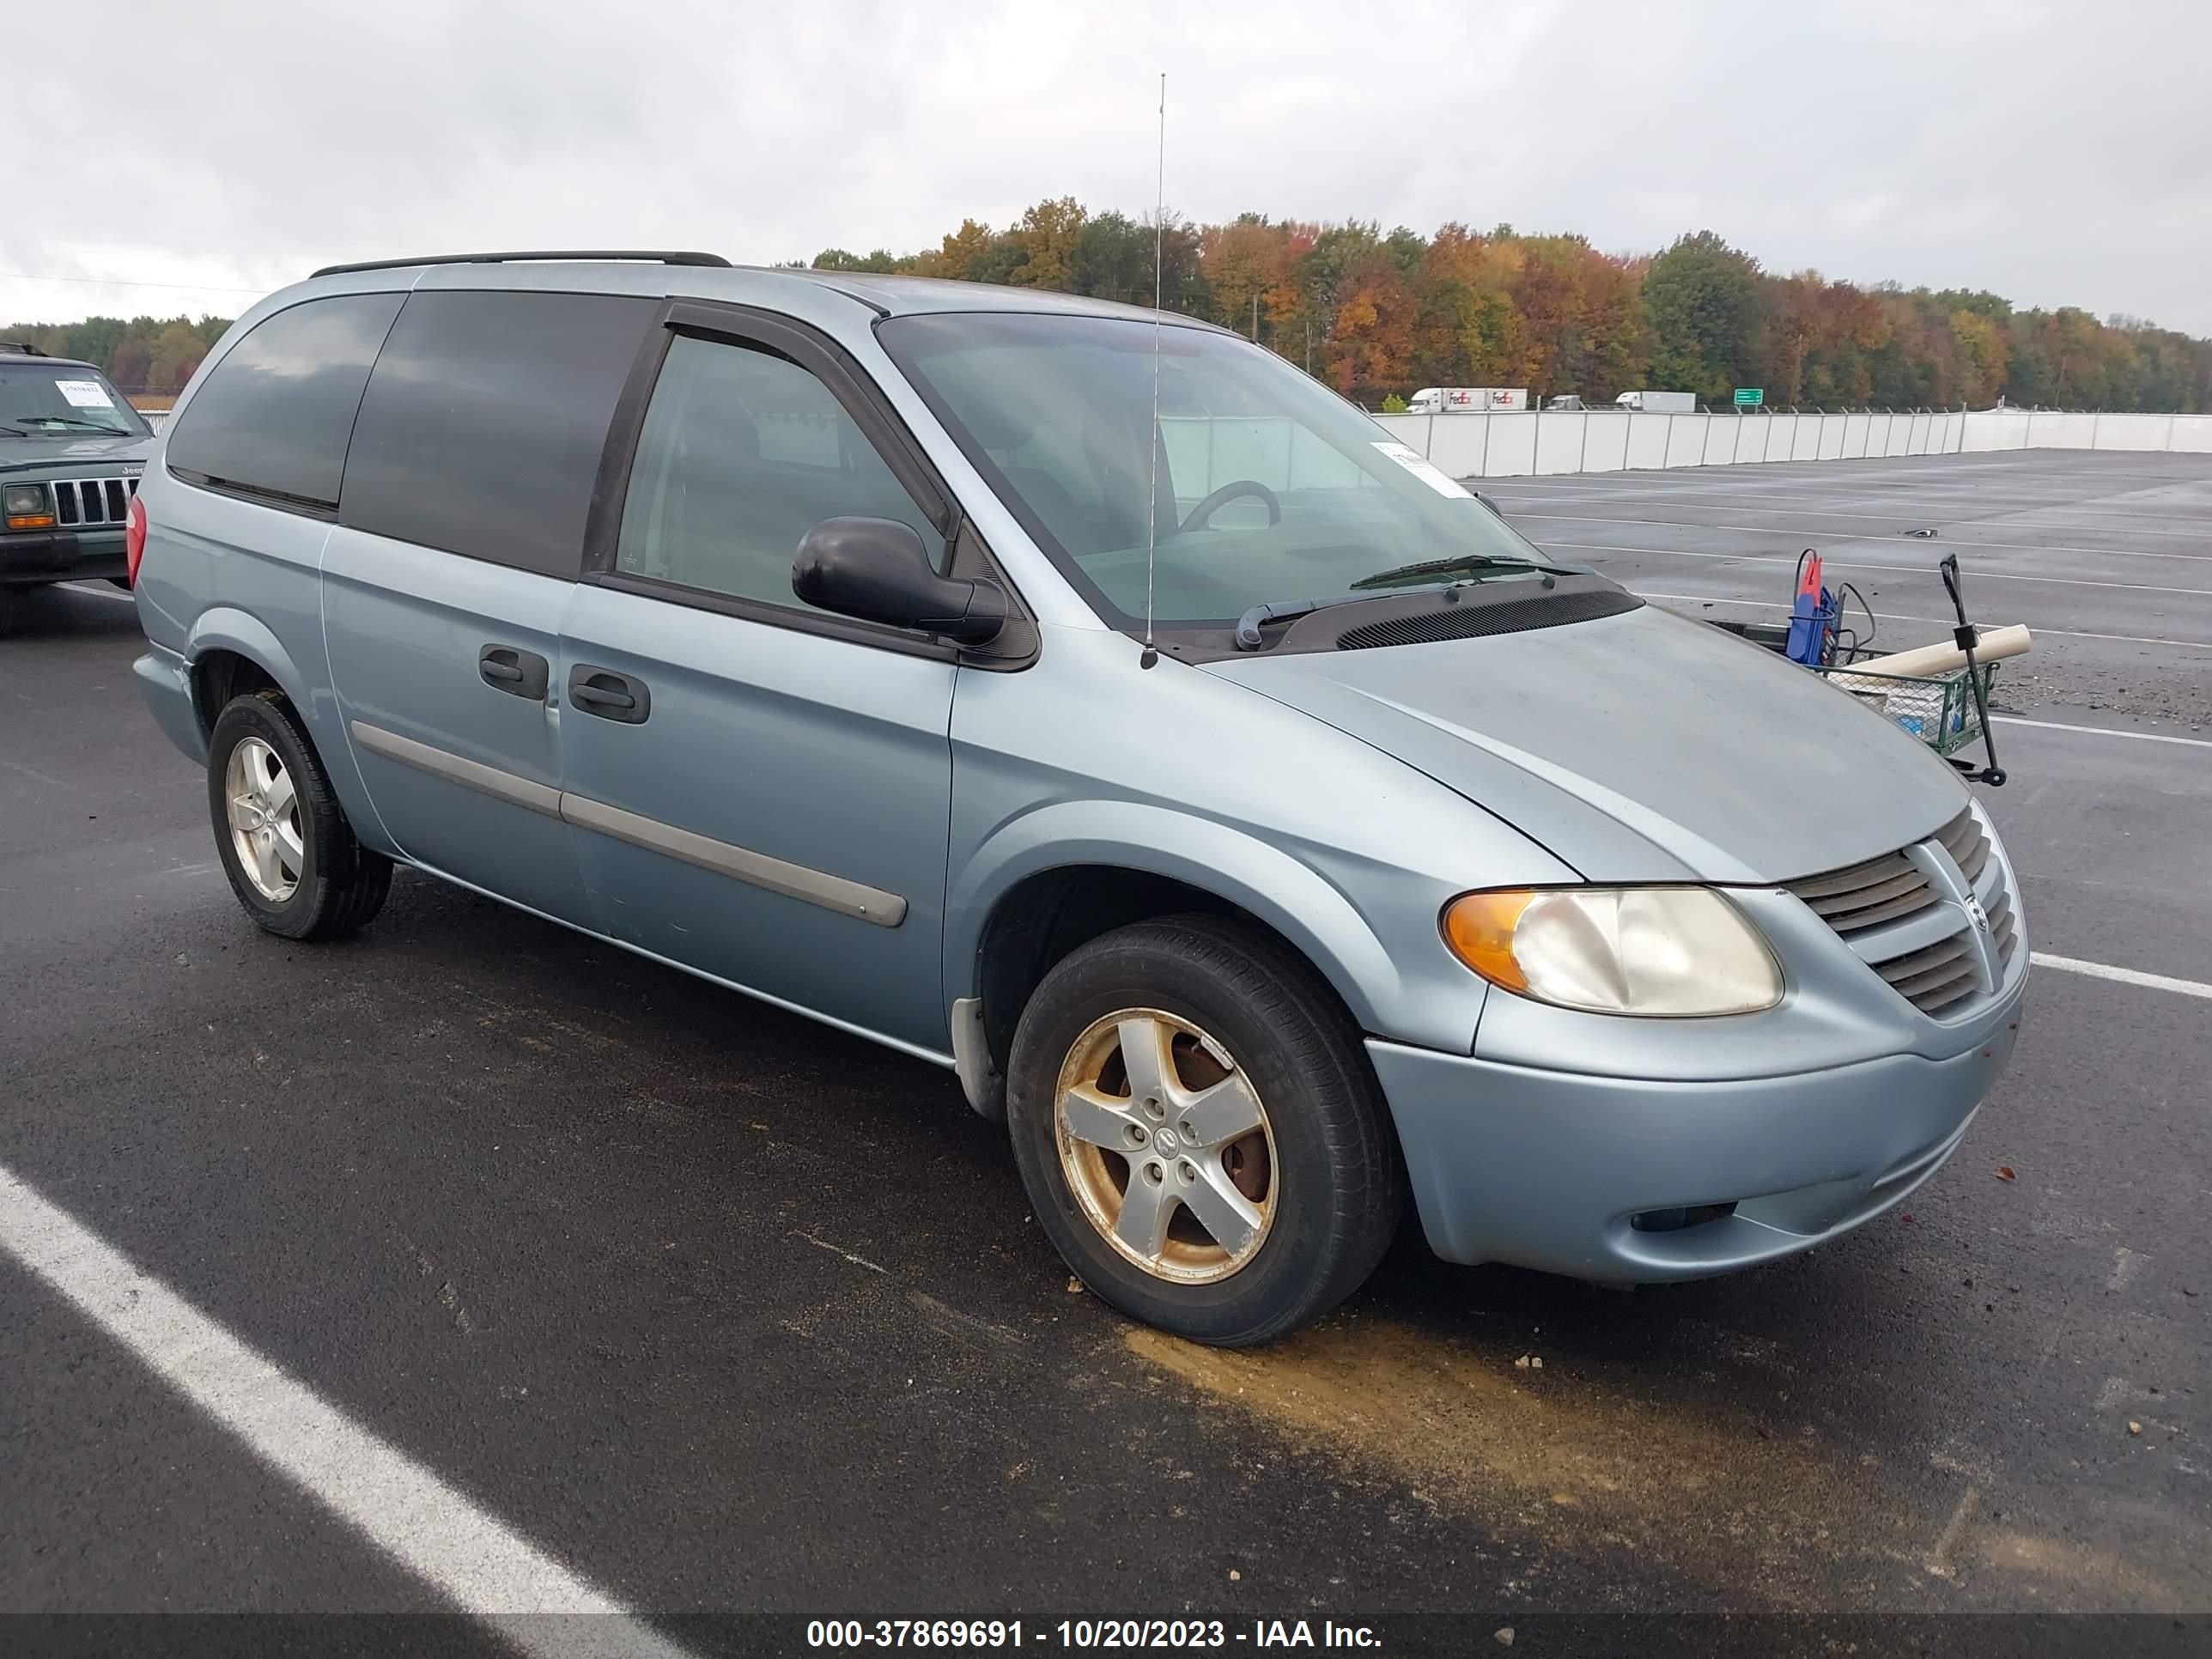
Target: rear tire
point(292, 857)
point(1136, 1165)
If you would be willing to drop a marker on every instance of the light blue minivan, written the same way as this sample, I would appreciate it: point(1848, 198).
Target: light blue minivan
point(1090, 702)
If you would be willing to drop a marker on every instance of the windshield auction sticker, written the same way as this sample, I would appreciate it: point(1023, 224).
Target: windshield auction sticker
point(90, 394)
point(1419, 466)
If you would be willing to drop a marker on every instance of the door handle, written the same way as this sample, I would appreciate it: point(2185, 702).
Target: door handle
point(509, 668)
point(610, 694)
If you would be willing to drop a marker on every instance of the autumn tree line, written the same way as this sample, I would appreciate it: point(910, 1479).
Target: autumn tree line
point(145, 354)
point(1380, 314)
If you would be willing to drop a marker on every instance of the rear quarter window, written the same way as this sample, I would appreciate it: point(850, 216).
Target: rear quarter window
point(481, 429)
point(274, 414)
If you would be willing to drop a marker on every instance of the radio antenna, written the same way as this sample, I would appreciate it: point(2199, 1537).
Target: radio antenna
point(1152, 474)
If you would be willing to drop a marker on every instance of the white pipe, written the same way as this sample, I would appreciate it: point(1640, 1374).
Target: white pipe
point(1925, 661)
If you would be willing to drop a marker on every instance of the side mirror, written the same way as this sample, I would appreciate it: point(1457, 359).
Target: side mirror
point(879, 570)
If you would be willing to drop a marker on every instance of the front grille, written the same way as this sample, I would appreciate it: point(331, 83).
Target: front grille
point(1933, 978)
point(1891, 887)
point(1871, 905)
point(1471, 621)
point(92, 501)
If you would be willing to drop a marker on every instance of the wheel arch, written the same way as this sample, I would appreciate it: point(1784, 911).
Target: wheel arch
point(1053, 879)
point(228, 651)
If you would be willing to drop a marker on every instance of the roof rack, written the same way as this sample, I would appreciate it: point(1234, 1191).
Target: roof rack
point(646, 255)
point(21, 348)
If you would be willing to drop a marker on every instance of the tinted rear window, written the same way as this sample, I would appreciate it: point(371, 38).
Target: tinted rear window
point(482, 425)
point(273, 415)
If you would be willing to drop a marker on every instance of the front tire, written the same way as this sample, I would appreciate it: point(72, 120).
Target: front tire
point(1199, 1132)
point(291, 856)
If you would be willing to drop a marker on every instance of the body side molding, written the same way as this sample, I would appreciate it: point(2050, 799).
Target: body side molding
point(798, 881)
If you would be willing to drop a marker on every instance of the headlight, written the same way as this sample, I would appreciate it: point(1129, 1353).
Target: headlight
point(25, 508)
point(1649, 951)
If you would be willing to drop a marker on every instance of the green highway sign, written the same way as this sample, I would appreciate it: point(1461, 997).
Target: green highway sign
point(1752, 395)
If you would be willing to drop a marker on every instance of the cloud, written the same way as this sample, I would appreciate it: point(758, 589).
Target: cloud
point(2053, 152)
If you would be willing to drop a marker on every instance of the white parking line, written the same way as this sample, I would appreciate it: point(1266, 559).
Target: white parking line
point(1934, 622)
point(467, 1555)
point(1981, 574)
point(2187, 987)
point(2102, 731)
point(101, 592)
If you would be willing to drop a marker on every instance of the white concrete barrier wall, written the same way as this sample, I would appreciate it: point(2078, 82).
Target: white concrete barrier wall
point(1559, 442)
point(1464, 454)
point(1523, 443)
point(1605, 440)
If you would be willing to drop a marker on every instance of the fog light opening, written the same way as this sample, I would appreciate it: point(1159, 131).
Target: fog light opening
point(1681, 1217)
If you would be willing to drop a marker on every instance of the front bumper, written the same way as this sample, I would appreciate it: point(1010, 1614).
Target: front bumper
point(60, 556)
point(1549, 1168)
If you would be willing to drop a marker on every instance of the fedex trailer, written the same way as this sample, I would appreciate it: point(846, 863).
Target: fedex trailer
point(1467, 399)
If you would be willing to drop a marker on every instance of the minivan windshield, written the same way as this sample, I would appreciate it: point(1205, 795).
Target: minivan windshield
point(63, 400)
point(1268, 489)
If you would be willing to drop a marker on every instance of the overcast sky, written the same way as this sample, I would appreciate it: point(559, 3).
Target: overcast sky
point(2057, 153)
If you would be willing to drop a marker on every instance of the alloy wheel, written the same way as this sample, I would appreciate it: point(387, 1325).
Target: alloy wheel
point(263, 810)
point(1166, 1146)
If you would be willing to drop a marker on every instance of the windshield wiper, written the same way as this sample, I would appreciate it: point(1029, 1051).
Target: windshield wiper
point(78, 421)
point(14, 431)
point(1471, 567)
point(1248, 636)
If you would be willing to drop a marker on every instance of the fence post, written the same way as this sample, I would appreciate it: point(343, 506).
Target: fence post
point(1482, 466)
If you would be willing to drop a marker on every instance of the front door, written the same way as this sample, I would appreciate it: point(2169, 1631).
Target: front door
point(758, 790)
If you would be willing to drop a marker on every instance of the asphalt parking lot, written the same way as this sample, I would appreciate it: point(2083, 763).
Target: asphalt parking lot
point(714, 1309)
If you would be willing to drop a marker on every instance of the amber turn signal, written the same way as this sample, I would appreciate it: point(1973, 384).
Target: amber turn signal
point(1479, 928)
point(30, 521)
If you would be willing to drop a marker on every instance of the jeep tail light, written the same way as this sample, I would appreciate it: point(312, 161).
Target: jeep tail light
point(134, 541)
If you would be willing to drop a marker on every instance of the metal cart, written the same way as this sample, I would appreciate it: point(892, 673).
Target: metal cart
point(1947, 712)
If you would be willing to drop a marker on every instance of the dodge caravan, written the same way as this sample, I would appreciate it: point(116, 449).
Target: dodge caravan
point(1088, 702)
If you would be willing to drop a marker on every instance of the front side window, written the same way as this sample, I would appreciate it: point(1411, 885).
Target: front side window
point(274, 415)
point(741, 453)
point(63, 400)
point(1265, 488)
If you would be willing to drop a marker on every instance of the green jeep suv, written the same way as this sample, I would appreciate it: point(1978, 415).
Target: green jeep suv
point(71, 451)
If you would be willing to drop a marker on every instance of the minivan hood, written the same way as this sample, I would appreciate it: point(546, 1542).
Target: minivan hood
point(1639, 747)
